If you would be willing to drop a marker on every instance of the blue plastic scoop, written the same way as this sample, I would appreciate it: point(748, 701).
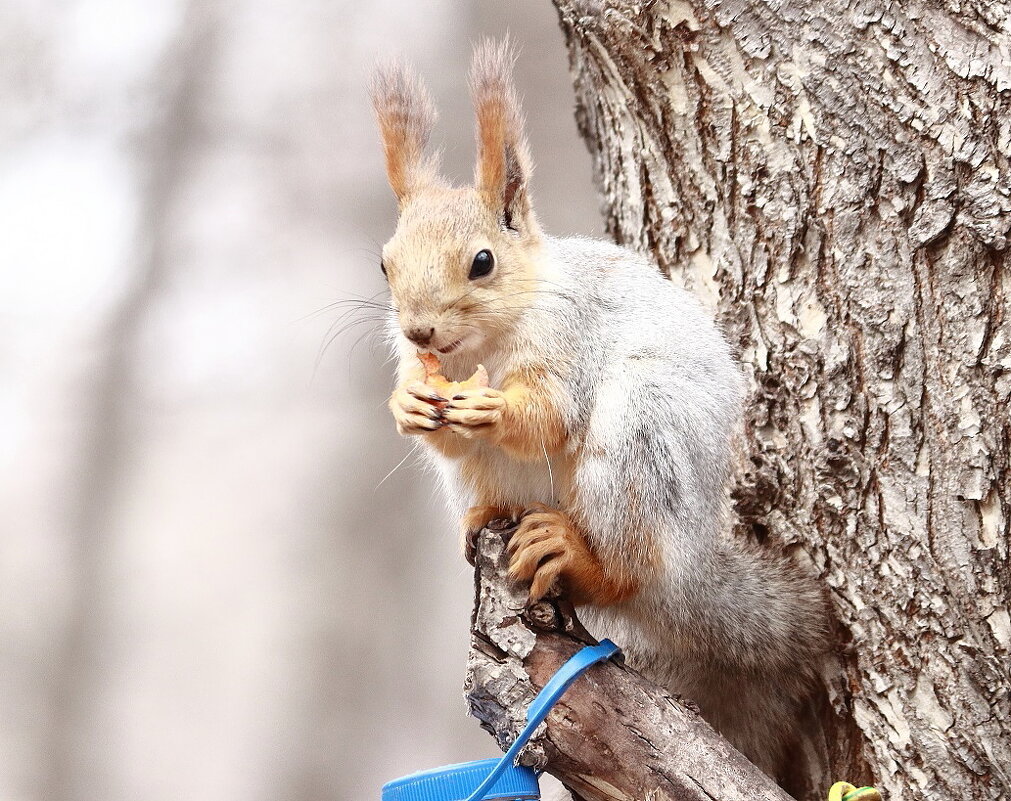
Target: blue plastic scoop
point(498, 778)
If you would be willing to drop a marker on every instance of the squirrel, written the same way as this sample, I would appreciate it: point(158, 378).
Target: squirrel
point(606, 427)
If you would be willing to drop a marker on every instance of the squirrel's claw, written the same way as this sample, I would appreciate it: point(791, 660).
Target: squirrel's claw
point(423, 392)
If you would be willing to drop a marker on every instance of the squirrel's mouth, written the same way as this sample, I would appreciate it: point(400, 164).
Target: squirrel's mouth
point(450, 347)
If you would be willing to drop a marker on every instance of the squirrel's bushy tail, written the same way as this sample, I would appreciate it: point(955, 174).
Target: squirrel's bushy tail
point(770, 638)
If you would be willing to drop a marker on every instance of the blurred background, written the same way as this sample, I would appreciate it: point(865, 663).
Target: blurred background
point(214, 584)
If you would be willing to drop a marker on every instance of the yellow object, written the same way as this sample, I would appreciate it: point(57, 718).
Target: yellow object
point(844, 791)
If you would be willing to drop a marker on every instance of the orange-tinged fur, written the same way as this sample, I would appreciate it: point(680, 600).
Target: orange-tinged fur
point(406, 116)
point(532, 426)
point(503, 158)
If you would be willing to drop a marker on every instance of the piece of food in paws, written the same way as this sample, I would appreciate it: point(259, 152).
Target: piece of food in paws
point(443, 385)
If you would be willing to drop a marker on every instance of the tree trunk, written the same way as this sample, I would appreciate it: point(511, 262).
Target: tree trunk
point(833, 178)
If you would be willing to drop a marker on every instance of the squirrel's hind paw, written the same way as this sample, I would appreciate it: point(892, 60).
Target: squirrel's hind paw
point(545, 548)
point(477, 518)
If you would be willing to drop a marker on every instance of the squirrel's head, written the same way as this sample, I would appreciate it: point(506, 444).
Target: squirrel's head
point(461, 263)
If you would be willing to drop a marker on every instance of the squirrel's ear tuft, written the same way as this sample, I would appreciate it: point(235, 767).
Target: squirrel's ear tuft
point(406, 115)
point(503, 158)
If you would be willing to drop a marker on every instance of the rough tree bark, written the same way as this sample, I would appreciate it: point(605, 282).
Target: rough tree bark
point(833, 178)
point(613, 736)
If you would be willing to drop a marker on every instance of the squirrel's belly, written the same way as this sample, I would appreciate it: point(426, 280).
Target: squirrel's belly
point(496, 478)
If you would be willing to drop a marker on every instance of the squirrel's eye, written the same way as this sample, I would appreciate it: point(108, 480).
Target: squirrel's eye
point(382, 266)
point(482, 264)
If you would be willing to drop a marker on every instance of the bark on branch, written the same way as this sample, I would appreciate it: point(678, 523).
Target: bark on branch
point(614, 735)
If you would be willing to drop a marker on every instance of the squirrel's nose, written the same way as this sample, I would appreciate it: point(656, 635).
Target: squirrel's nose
point(420, 336)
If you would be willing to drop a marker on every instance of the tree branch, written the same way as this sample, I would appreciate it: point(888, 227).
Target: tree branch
point(614, 735)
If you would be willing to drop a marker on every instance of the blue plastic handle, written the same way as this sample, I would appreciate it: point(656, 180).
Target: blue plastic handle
point(546, 698)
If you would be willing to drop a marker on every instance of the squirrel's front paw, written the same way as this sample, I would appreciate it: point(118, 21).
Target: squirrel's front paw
point(474, 413)
point(547, 547)
point(415, 408)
